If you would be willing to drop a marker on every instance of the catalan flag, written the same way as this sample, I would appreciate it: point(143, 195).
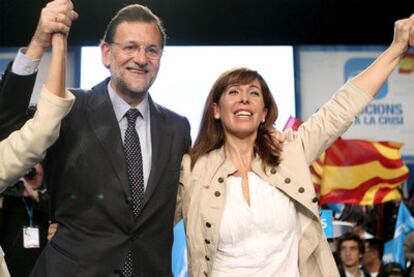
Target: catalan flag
point(357, 171)
point(360, 172)
point(316, 170)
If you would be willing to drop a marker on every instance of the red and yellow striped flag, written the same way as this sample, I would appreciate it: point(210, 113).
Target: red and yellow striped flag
point(359, 172)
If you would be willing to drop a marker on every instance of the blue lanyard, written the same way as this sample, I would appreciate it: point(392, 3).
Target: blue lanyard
point(29, 210)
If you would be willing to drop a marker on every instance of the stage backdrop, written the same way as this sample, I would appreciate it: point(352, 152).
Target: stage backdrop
point(322, 70)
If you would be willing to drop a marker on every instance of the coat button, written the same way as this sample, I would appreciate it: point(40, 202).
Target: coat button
point(315, 199)
point(287, 180)
point(217, 193)
point(273, 170)
point(220, 179)
point(301, 190)
point(207, 241)
point(207, 258)
point(208, 224)
point(205, 273)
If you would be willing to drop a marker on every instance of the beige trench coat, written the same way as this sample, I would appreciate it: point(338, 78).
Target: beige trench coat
point(3, 267)
point(201, 197)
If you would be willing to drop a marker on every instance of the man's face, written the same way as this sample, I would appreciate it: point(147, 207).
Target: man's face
point(369, 255)
point(349, 253)
point(133, 70)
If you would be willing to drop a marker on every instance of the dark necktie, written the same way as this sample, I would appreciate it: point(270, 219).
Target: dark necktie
point(133, 155)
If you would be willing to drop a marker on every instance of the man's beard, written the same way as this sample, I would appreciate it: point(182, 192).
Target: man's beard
point(123, 88)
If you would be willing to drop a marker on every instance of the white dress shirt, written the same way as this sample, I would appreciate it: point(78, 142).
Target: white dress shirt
point(142, 126)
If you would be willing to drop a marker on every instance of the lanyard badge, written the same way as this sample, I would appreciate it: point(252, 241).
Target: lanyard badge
point(30, 233)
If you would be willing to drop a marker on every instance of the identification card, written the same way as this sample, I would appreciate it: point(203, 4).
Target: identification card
point(31, 237)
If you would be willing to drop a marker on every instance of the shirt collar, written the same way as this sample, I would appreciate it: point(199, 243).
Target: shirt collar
point(121, 107)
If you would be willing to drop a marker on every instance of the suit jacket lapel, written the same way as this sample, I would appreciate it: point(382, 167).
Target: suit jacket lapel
point(160, 141)
point(104, 124)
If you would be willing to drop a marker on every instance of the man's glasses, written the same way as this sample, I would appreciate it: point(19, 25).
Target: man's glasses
point(129, 49)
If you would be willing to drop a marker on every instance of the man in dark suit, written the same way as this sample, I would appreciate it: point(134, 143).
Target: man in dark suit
point(102, 229)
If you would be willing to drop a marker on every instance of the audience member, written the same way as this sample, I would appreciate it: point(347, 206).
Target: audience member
point(351, 249)
point(393, 270)
point(372, 258)
point(409, 252)
point(22, 209)
point(389, 218)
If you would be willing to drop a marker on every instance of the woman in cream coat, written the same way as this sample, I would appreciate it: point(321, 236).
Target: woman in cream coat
point(27, 146)
point(247, 202)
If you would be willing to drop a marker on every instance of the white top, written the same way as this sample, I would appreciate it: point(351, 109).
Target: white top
point(348, 274)
point(260, 239)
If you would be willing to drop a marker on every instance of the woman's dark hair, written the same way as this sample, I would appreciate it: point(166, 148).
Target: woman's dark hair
point(211, 133)
point(134, 13)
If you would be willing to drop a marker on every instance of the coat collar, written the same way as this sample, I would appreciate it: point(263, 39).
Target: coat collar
point(281, 177)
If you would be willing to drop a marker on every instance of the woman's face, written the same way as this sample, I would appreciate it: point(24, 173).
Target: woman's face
point(241, 109)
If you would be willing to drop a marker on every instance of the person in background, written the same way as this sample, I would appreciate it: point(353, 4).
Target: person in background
point(389, 218)
point(248, 203)
point(351, 250)
point(24, 204)
point(393, 270)
point(409, 252)
point(371, 259)
point(27, 146)
point(113, 174)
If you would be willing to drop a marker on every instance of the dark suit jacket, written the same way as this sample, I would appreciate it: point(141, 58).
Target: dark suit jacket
point(87, 178)
point(343, 274)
